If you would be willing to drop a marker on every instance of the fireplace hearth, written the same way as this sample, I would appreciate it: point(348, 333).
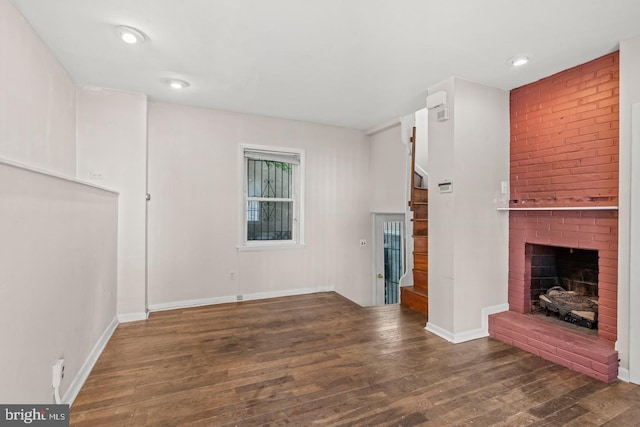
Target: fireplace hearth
point(558, 234)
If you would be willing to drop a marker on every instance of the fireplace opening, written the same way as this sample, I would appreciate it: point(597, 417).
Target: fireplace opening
point(564, 283)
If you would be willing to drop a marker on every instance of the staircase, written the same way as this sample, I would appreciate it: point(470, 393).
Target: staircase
point(417, 296)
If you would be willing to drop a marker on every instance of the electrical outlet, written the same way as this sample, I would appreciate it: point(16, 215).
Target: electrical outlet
point(96, 175)
point(57, 373)
point(232, 275)
point(363, 242)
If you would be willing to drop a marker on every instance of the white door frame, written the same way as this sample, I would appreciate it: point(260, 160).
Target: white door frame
point(634, 246)
point(378, 252)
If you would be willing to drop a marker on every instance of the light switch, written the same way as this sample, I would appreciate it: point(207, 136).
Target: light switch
point(504, 187)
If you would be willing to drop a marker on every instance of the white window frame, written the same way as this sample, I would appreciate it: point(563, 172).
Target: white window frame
point(298, 184)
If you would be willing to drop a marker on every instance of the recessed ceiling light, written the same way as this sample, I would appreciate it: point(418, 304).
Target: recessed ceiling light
point(177, 84)
point(130, 35)
point(518, 61)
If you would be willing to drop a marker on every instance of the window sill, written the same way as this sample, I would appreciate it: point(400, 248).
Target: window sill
point(269, 247)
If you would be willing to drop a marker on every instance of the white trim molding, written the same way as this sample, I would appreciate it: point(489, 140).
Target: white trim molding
point(191, 303)
point(562, 208)
point(624, 375)
point(78, 381)
point(17, 165)
point(437, 330)
point(472, 334)
point(287, 293)
point(132, 317)
point(628, 310)
point(274, 246)
point(237, 298)
point(488, 311)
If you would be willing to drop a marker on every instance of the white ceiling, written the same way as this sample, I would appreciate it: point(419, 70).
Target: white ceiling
point(352, 63)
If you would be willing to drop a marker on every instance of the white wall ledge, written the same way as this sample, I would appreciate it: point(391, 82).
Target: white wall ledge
point(269, 247)
point(17, 165)
point(563, 208)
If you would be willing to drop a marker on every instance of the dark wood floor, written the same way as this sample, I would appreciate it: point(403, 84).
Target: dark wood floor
point(322, 360)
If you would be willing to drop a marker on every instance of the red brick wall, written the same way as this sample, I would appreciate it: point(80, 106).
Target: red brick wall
point(564, 137)
point(564, 152)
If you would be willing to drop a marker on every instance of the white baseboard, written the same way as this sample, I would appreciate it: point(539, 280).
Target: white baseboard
point(132, 317)
point(624, 375)
point(473, 334)
point(487, 311)
point(455, 338)
point(82, 375)
point(191, 303)
point(236, 298)
point(442, 333)
point(287, 293)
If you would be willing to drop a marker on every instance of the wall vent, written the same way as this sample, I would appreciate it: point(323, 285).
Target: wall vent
point(443, 115)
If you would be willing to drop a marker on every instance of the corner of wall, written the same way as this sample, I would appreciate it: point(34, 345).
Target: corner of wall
point(78, 381)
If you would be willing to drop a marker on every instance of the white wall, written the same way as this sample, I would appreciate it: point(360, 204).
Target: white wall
point(57, 279)
point(390, 161)
point(441, 167)
point(57, 237)
point(112, 141)
point(422, 134)
point(407, 124)
point(468, 237)
point(628, 344)
point(37, 99)
point(195, 182)
point(481, 233)
point(388, 171)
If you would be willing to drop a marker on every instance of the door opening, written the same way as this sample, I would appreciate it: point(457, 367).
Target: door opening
point(390, 258)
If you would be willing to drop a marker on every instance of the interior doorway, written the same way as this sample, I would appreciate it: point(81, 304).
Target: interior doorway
point(389, 257)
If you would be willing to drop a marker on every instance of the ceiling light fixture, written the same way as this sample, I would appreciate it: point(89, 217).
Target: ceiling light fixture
point(130, 35)
point(178, 84)
point(518, 61)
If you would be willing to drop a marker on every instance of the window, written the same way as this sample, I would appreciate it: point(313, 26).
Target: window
point(272, 205)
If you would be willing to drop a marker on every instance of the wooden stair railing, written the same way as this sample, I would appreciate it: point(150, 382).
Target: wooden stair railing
point(417, 296)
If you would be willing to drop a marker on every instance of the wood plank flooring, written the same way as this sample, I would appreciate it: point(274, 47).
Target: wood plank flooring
point(322, 360)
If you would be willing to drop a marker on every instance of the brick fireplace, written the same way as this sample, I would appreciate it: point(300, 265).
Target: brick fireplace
point(564, 193)
point(595, 230)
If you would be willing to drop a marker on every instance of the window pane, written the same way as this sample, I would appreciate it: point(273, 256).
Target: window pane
point(393, 260)
point(253, 211)
point(266, 178)
point(274, 221)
